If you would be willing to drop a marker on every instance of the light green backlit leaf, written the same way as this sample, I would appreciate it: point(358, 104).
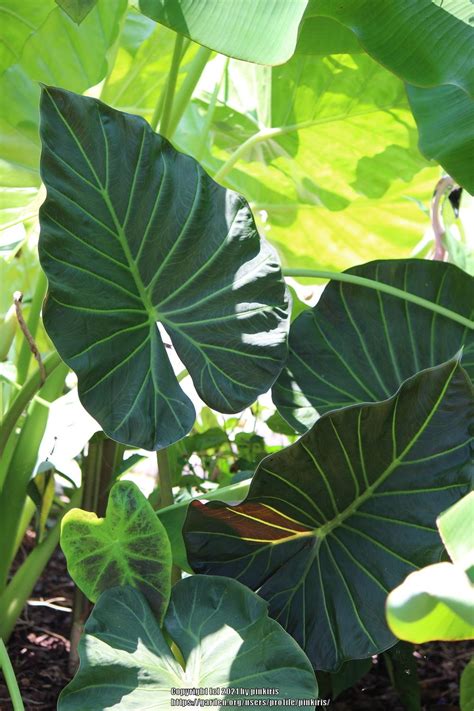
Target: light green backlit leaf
point(61, 53)
point(262, 31)
point(19, 21)
point(456, 529)
point(435, 603)
point(328, 159)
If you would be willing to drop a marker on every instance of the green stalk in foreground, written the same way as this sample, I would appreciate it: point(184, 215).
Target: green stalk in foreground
point(166, 496)
point(380, 286)
point(171, 86)
point(10, 678)
point(183, 96)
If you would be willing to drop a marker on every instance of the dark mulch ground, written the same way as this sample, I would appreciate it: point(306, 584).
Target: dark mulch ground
point(39, 650)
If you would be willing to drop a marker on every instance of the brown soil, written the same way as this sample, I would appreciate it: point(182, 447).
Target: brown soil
point(39, 650)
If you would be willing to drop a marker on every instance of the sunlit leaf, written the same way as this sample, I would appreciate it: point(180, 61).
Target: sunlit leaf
point(222, 631)
point(19, 21)
point(262, 31)
point(455, 527)
point(334, 522)
point(61, 53)
point(141, 67)
point(435, 603)
point(327, 159)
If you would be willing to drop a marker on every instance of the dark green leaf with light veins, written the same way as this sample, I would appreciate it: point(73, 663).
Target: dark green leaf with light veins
point(335, 521)
point(223, 632)
point(358, 344)
point(127, 547)
point(133, 232)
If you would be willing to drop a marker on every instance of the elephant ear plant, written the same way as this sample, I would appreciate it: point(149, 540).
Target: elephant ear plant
point(144, 252)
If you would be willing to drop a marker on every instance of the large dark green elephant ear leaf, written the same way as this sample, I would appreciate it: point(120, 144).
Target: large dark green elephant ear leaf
point(334, 522)
point(359, 344)
point(134, 233)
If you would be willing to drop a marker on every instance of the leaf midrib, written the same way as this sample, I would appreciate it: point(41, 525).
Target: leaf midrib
point(323, 531)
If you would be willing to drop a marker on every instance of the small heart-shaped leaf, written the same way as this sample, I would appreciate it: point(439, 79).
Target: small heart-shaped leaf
point(127, 547)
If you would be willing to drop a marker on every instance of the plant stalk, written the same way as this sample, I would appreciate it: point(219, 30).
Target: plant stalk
point(265, 134)
point(210, 113)
point(380, 286)
point(171, 86)
point(166, 496)
point(10, 678)
point(185, 92)
point(164, 476)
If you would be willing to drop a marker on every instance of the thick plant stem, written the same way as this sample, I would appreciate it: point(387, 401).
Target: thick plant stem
point(380, 286)
point(27, 392)
point(164, 476)
point(155, 119)
point(10, 678)
point(185, 92)
point(171, 86)
point(166, 496)
point(161, 100)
